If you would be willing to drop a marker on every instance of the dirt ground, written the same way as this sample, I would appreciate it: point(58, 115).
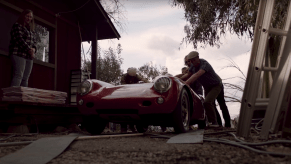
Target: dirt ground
point(147, 149)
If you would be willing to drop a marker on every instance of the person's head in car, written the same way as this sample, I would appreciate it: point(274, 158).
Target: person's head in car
point(131, 71)
point(131, 77)
point(184, 70)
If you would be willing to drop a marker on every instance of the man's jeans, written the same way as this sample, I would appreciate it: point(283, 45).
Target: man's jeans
point(210, 96)
point(21, 70)
point(225, 113)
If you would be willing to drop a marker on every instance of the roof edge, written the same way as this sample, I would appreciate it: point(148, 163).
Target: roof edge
point(107, 18)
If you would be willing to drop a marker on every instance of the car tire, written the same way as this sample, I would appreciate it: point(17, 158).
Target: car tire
point(181, 114)
point(141, 128)
point(94, 124)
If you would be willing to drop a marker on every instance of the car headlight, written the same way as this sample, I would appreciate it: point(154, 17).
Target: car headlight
point(162, 84)
point(85, 87)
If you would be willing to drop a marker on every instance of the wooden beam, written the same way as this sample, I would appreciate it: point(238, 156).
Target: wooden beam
point(3, 52)
point(94, 53)
point(44, 63)
point(56, 53)
point(109, 136)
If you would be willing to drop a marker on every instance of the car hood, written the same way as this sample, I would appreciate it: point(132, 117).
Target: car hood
point(124, 91)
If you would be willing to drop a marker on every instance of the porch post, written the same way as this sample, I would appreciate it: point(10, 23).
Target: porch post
point(94, 53)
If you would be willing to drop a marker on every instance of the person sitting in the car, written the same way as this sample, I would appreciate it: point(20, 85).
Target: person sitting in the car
point(131, 77)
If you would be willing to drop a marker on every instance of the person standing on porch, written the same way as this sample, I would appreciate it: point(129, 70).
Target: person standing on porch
point(22, 48)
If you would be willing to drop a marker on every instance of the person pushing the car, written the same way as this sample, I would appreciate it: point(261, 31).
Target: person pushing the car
point(196, 86)
point(220, 98)
point(201, 71)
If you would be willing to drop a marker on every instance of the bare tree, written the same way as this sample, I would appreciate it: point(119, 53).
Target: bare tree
point(116, 11)
point(108, 65)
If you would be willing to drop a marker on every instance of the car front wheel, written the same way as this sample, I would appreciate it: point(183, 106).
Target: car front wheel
point(181, 114)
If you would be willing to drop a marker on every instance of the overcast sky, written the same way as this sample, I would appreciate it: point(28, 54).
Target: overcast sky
point(154, 31)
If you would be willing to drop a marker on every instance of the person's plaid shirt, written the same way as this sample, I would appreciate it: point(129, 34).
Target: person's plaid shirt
point(22, 39)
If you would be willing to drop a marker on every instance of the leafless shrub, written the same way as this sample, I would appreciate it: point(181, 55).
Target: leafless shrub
point(234, 91)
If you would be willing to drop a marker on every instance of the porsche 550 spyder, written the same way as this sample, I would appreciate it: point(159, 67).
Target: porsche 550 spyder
point(167, 102)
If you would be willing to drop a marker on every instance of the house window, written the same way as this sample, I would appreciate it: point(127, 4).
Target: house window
point(42, 45)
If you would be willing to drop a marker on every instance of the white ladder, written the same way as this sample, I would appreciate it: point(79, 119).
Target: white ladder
point(252, 99)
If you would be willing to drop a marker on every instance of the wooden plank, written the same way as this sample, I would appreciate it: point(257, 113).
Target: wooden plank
point(36, 90)
point(109, 136)
point(28, 99)
point(32, 94)
point(11, 105)
point(44, 63)
point(27, 94)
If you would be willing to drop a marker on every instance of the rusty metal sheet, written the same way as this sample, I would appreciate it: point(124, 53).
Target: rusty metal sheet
point(189, 137)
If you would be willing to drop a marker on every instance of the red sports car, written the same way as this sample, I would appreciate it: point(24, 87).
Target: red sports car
point(167, 102)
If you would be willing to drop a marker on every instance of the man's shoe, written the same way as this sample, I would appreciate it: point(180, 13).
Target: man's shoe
point(133, 130)
point(123, 130)
point(213, 125)
point(227, 125)
point(163, 128)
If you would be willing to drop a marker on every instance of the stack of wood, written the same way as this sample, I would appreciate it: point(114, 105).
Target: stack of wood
point(26, 94)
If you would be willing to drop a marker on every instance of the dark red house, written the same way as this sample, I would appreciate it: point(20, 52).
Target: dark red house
point(69, 22)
